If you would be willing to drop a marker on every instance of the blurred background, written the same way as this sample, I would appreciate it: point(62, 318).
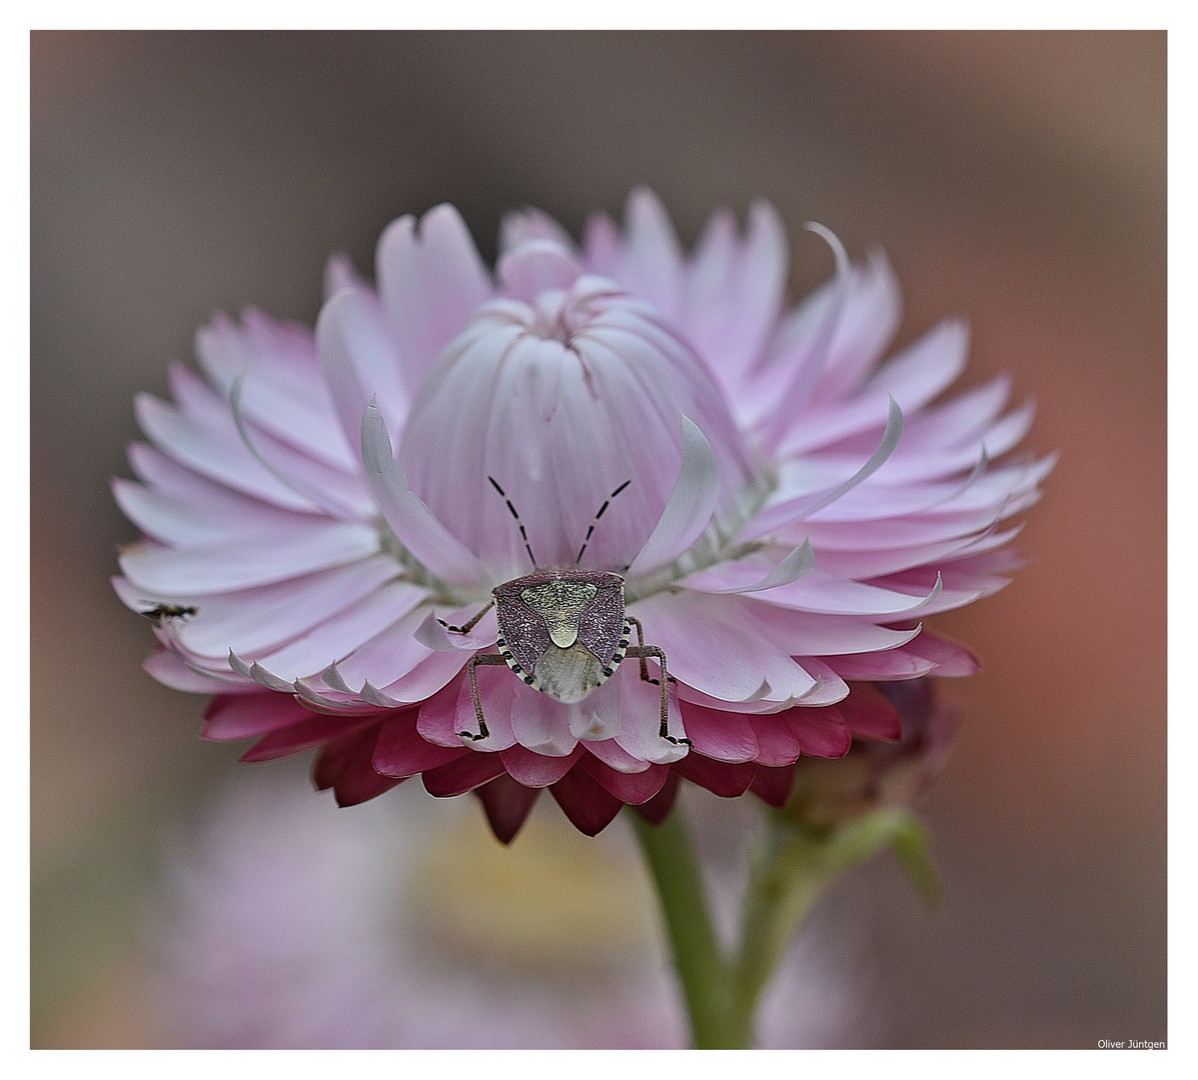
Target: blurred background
point(1015, 178)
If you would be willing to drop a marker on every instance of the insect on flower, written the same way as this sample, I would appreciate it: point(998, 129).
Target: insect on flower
point(161, 612)
point(563, 631)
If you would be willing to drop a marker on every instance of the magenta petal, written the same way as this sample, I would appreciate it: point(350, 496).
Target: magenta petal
point(314, 731)
point(821, 732)
point(868, 712)
point(725, 736)
point(344, 765)
point(400, 751)
point(773, 786)
point(507, 805)
point(585, 802)
point(777, 743)
point(536, 770)
point(719, 777)
point(238, 716)
point(463, 774)
point(655, 810)
point(631, 788)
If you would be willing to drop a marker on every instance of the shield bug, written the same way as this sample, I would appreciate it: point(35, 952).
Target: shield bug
point(563, 631)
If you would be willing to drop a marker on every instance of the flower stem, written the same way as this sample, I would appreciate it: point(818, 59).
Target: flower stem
point(716, 1021)
point(793, 865)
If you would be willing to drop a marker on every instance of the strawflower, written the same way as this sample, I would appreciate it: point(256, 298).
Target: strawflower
point(322, 513)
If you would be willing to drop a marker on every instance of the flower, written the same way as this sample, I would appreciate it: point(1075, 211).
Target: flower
point(283, 924)
point(324, 515)
point(881, 774)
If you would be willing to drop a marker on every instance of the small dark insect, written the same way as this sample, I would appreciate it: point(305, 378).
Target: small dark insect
point(564, 631)
point(161, 612)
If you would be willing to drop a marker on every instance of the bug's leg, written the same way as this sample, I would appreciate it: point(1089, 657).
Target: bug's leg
point(640, 640)
point(480, 658)
point(470, 625)
point(642, 651)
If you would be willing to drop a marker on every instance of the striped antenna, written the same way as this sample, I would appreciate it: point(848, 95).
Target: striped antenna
point(524, 536)
point(595, 520)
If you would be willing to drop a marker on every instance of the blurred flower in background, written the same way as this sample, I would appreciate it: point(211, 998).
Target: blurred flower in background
point(794, 507)
point(283, 922)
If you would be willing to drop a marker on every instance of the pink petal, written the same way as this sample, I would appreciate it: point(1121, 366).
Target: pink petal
point(655, 810)
point(724, 736)
point(410, 519)
point(773, 786)
point(431, 282)
point(507, 805)
point(585, 802)
point(720, 778)
point(535, 267)
point(821, 732)
point(462, 775)
point(630, 788)
point(400, 750)
point(360, 362)
point(304, 735)
point(777, 743)
point(283, 391)
point(239, 564)
point(537, 770)
point(868, 712)
point(239, 716)
point(344, 766)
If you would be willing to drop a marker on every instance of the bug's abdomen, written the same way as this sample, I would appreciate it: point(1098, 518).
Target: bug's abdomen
point(568, 675)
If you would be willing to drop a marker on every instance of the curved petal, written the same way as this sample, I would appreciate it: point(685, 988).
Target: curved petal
point(412, 521)
point(689, 510)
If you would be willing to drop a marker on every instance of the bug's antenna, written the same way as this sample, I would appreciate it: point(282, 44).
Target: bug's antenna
point(595, 520)
point(527, 546)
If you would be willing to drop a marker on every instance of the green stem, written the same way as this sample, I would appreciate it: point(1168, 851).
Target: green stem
point(784, 884)
point(795, 863)
point(716, 1021)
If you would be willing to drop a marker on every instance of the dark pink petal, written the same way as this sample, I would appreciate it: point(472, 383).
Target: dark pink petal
point(777, 743)
point(725, 736)
point(868, 712)
point(655, 810)
point(314, 731)
point(344, 765)
point(719, 777)
point(821, 732)
point(585, 802)
point(773, 785)
point(507, 805)
point(239, 716)
point(400, 751)
point(537, 770)
point(463, 774)
point(631, 788)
